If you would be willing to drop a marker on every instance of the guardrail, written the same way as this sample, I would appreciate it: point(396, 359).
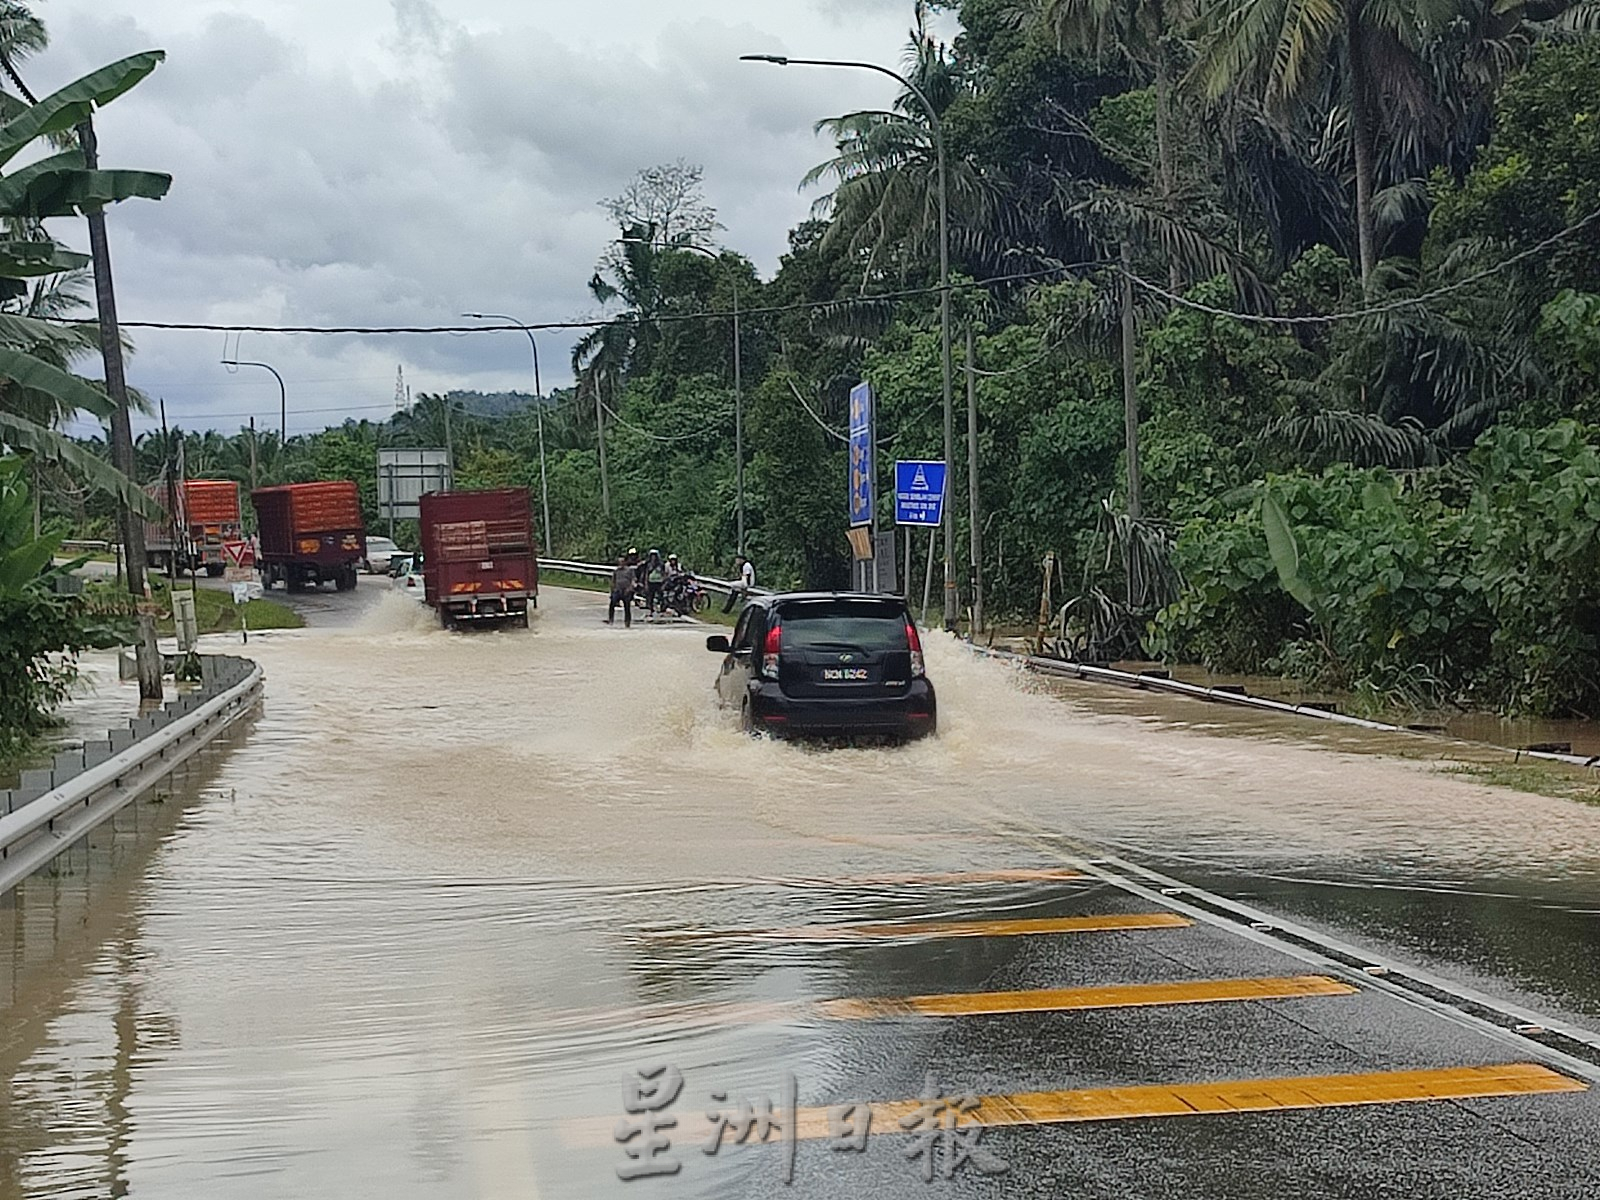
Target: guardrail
point(600, 571)
point(58, 805)
point(1237, 696)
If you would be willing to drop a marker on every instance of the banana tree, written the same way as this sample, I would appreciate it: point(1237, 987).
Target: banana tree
point(61, 184)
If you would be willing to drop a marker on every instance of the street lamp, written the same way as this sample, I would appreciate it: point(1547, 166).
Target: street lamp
point(951, 606)
point(283, 397)
point(738, 380)
point(538, 412)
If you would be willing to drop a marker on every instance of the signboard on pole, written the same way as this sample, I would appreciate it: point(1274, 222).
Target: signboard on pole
point(884, 566)
point(919, 493)
point(404, 475)
point(238, 563)
point(861, 456)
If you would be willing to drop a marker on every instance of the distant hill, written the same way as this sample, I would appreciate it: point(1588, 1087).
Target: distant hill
point(493, 404)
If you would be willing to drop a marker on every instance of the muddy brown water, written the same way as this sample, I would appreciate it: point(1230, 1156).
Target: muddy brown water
point(403, 926)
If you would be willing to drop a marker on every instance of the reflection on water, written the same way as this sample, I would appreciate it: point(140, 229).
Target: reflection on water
point(419, 916)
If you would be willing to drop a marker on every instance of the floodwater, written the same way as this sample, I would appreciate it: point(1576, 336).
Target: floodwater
point(418, 918)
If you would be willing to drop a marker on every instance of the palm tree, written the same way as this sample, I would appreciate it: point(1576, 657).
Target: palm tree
point(622, 347)
point(1137, 32)
point(1287, 49)
point(884, 205)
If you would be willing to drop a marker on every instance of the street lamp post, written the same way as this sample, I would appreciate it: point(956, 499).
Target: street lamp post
point(538, 412)
point(951, 606)
point(738, 381)
point(283, 396)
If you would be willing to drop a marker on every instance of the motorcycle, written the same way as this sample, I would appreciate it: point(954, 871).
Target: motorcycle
point(684, 596)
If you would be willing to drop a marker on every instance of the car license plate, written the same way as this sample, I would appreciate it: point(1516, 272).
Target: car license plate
point(844, 674)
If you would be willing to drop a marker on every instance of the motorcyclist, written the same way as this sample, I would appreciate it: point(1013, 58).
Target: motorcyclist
point(675, 594)
point(655, 580)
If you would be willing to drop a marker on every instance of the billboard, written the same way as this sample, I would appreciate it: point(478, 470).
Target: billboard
point(861, 457)
point(403, 477)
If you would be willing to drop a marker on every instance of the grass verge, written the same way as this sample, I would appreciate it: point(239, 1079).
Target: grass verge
point(566, 579)
point(1539, 778)
point(215, 611)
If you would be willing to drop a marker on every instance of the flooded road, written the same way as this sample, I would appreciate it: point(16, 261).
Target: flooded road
point(408, 932)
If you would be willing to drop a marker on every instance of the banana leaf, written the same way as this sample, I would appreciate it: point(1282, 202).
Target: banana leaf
point(23, 434)
point(72, 105)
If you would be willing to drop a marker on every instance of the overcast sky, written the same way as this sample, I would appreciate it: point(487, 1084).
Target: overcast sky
point(399, 162)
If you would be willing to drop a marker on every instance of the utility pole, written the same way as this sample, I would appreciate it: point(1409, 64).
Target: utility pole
point(449, 445)
point(600, 440)
point(1130, 387)
point(147, 654)
point(974, 510)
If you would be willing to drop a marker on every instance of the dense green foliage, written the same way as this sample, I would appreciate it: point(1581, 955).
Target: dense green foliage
point(40, 631)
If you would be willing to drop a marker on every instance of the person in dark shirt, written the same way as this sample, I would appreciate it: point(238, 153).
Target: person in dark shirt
point(622, 585)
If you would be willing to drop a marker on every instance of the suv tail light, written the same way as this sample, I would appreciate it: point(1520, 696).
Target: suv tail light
point(769, 653)
point(918, 666)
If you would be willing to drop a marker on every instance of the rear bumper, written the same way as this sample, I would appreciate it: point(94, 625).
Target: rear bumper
point(495, 607)
point(913, 714)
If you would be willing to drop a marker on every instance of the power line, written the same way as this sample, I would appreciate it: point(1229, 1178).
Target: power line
point(658, 437)
point(1376, 310)
point(602, 322)
point(821, 424)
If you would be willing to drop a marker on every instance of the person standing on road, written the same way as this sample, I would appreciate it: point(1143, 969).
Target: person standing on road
point(622, 584)
point(655, 579)
point(744, 580)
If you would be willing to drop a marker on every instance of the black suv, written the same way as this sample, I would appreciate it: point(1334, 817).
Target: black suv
point(829, 663)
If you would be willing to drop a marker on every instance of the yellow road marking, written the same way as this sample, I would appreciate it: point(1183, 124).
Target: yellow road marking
point(1015, 927)
point(1133, 995)
point(1180, 1100)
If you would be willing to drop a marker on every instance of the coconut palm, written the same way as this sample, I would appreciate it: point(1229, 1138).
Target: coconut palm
point(1138, 33)
point(1369, 49)
point(884, 203)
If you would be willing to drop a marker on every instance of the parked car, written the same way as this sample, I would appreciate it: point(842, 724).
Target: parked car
point(380, 550)
point(405, 569)
point(826, 663)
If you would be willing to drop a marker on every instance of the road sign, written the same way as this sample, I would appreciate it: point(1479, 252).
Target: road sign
point(236, 554)
point(919, 493)
point(233, 574)
point(404, 475)
point(246, 590)
point(861, 456)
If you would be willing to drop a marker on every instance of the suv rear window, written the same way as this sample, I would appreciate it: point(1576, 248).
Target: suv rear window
point(847, 624)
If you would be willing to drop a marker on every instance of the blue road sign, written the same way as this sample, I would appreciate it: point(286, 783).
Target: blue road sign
point(919, 493)
point(861, 456)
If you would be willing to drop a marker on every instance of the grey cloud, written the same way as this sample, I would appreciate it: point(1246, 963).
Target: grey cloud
point(451, 160)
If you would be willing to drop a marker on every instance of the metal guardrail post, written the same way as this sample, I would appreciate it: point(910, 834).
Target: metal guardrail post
point(59, 806)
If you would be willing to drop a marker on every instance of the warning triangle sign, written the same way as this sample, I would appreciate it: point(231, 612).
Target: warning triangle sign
point(919, 481)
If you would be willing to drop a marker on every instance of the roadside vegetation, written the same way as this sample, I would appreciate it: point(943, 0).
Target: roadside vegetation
point(43, 626)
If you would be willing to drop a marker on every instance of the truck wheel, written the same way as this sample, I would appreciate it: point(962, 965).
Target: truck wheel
point(747, 723)
point(345, 580)
point(214, 570)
